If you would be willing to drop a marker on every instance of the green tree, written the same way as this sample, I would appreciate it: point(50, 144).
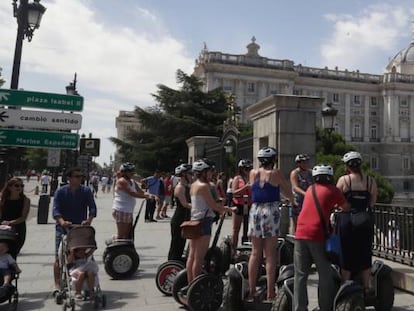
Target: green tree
point(330, 147)
point(177, 116)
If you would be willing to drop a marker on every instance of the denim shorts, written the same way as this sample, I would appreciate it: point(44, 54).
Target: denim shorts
point(206, 225)
point(58, 239)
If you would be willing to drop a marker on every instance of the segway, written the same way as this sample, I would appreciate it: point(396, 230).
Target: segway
point(237, 286)
point(166, 274)
point(242, 252)
point(205, 293)
point(120, 257)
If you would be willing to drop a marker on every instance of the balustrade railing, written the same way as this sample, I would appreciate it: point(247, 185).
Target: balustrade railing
point(394, 233)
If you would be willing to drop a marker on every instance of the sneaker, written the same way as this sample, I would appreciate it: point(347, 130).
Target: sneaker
point(152, 220)
point(165, 216)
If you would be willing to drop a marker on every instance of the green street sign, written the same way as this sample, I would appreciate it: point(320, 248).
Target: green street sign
point(38, 139)
point(41, 100)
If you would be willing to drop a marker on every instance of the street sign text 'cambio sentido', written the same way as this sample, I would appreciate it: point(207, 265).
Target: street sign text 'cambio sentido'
point(40, 100)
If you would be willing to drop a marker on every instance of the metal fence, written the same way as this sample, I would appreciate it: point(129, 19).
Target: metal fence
point(394, 235)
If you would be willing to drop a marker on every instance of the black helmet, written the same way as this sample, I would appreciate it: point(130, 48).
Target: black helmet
point(127, 167)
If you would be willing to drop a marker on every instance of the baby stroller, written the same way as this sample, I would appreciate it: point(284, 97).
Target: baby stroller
point(9, 291)
point(78, 237)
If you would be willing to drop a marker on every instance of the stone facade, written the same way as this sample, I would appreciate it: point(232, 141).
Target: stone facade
point(375, 112)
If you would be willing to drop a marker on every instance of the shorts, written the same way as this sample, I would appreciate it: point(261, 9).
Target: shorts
point(6, 271)
point(122, 217)
point(206, 225)
point(264, 220)
point(58, 239)
point(167, 200)
point(240, 209)
point(162, 198)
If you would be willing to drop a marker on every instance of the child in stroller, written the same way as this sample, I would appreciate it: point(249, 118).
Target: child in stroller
point(9, 269)
point(83, 268)
point(79, 270)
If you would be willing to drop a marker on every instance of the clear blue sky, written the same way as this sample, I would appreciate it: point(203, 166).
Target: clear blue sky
point(121, 49)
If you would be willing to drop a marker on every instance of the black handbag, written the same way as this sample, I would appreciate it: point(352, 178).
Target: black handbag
point(361, 219)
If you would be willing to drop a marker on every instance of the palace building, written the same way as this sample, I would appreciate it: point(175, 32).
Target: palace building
point(375, 112)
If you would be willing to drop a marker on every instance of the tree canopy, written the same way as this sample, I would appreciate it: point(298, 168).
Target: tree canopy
point(178, 115)
point(330, 147)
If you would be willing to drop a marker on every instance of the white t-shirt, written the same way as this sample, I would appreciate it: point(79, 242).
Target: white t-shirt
point(45, 179)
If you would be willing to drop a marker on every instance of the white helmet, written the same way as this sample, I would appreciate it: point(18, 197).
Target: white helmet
point(301, 157)
point(245, 163)
point(352, 158)
point(322, 169)
point(201, 165)
point(267, 152)
point(182, 168)
point(127, 167)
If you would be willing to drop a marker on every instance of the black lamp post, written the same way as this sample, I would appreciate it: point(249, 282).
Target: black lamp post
point(72, 155)
point(328, 117)
point(28, 16)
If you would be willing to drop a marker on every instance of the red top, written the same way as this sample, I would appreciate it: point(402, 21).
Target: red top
point(238, 198)
point(167, 185)
point(309, 225)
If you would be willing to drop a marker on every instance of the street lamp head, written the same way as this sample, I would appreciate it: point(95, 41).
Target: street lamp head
point(328, 117)
point(28, 16)
point(35, 12)
point(228, 146)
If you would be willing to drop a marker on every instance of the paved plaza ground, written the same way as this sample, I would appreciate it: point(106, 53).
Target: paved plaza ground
point(138, 293)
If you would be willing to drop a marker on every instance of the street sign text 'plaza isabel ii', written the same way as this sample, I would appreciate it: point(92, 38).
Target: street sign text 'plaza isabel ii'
point(41, 100)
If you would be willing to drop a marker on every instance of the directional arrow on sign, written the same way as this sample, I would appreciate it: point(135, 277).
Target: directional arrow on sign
point(3, 116)
point(4, 96)
point(35, 119)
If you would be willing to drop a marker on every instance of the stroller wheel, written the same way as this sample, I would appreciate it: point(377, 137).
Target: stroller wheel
point(103, 301)
point(58, 298)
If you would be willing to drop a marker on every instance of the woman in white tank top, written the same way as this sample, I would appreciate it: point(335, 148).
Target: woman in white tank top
point(203, 206)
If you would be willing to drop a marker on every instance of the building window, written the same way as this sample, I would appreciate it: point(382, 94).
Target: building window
point(374, 163)
point(403, 102)
point(297, 92)
point(335, 97)
point(406, 164)
point(251, 87)
point(373, 113)
point(227, 85)
point(374, 132)
point(374, 102)
point(357, 131)
point(357, 100)
point(273, 91)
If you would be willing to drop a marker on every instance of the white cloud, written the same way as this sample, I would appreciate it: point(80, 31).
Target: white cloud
point(117, 67)
point(357, 40)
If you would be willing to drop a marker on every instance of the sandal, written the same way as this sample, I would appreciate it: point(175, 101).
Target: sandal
point(55, 292)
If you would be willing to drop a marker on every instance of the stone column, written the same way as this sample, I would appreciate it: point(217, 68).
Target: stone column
point(287, 123)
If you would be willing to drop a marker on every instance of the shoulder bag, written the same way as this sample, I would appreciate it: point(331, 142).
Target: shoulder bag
point(332, 241)
point(192, 229)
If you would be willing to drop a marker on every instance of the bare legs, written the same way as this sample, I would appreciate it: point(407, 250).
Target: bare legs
point(198, 250)
point(268, 246)
point(237, 221)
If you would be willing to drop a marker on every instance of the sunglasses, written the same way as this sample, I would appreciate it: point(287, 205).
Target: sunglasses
point(18, 186)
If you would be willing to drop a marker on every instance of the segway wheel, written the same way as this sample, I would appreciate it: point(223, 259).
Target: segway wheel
point(354, 302)
point(166, 274)
point(385, 295)
point(179, 282)
point(205, 293)
point(121, 262)
point(232, 294)
point(283, 301)
point(225, 248)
